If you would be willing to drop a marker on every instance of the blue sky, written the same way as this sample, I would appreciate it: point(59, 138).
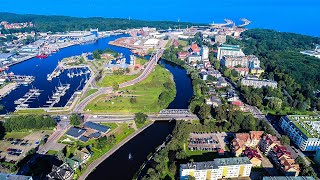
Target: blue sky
point(283, 15)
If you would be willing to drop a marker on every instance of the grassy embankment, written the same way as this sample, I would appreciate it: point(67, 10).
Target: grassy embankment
point(146, 94)
point(120, 131)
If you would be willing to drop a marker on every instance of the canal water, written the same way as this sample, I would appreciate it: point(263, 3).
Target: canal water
point(41, 67)
point(118, 165)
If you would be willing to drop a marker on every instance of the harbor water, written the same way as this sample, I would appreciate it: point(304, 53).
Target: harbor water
point(40, 68)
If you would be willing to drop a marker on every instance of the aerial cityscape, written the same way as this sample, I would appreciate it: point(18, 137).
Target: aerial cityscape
point(89, 96)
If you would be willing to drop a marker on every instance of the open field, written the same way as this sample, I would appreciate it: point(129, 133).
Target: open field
point(183, 43)
point(146, 94)
point(109, 80)
point(141, 61)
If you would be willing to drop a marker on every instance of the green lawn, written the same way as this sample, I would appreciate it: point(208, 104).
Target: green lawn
point(109, 80)
point(141, 61)
point(17, 135)
point(111, 125)
point(145, 92)
point(52, 152)
point(183, 43)
point(30, 111)
point(141, 125)
point(89, 92)
point(168, 44)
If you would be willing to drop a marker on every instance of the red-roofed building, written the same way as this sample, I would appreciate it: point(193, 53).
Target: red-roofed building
point(267, 142)
point(195, 49)
point(237, 103)
point(281, 158)
point(243, 140)
point(183, 55)
point(253, 155)
point(175, 43)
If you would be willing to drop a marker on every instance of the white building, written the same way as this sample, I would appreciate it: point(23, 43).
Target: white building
point(194, 59)
point(217, 169)
point(233, 50)
point(151, 43)
point(256, 83)
point(302, 130)
point(204, 53)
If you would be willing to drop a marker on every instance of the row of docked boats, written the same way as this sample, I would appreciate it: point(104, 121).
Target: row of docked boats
point(59, 92)
point(76, 73)
point(30, 95)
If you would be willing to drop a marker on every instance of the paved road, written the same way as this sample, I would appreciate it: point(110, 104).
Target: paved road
point(258, 114)
point(149, 68)
point(152, 117)
point(51, 143)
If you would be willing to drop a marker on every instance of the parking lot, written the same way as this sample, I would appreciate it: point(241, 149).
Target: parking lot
point(14, 149)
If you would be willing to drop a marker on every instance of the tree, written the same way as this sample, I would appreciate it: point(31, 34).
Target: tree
point(96, 54)
point(285, 140)
point(164, 98)
point(115, 86)
point(205, 111)
point(212, 78)
point(133, 100)
point(75, 119)
point(140, 118)
point(275, 104)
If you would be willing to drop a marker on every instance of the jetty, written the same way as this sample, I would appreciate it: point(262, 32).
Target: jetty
point(81, 72)
point(31, 94)
point(245, 21)
point(56, 72)
point(7, 89)
point(55, 98)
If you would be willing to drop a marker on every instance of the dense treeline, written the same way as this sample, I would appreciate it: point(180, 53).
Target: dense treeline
point(65, 23)
point(298, 75)
point(25, 122)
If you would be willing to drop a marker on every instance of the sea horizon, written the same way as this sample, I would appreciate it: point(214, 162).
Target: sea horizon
point(285, 16)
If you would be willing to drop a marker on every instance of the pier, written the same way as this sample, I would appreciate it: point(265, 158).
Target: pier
point(7, 89)
point(56, 72)
point(22, 102)
point(245, 21)
point(228, 22)
point(55, 98)
point(19, 79)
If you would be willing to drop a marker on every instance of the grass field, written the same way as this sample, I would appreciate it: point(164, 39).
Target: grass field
point(30, 111)
point(109, 80)
point(141, 61)
point(17, 135)
point(183, 43)
point(145, 92)
point(89, 92)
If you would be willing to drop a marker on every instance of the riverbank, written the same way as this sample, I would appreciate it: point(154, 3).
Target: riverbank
point(97, 162)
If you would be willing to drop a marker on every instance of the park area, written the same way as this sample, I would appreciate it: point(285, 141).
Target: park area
point(141, 97)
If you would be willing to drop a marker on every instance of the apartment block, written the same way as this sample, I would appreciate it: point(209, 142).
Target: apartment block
point(217, 169)
point(304, 131)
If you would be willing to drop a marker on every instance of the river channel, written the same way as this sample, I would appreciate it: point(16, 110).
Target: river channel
point(118, 165)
